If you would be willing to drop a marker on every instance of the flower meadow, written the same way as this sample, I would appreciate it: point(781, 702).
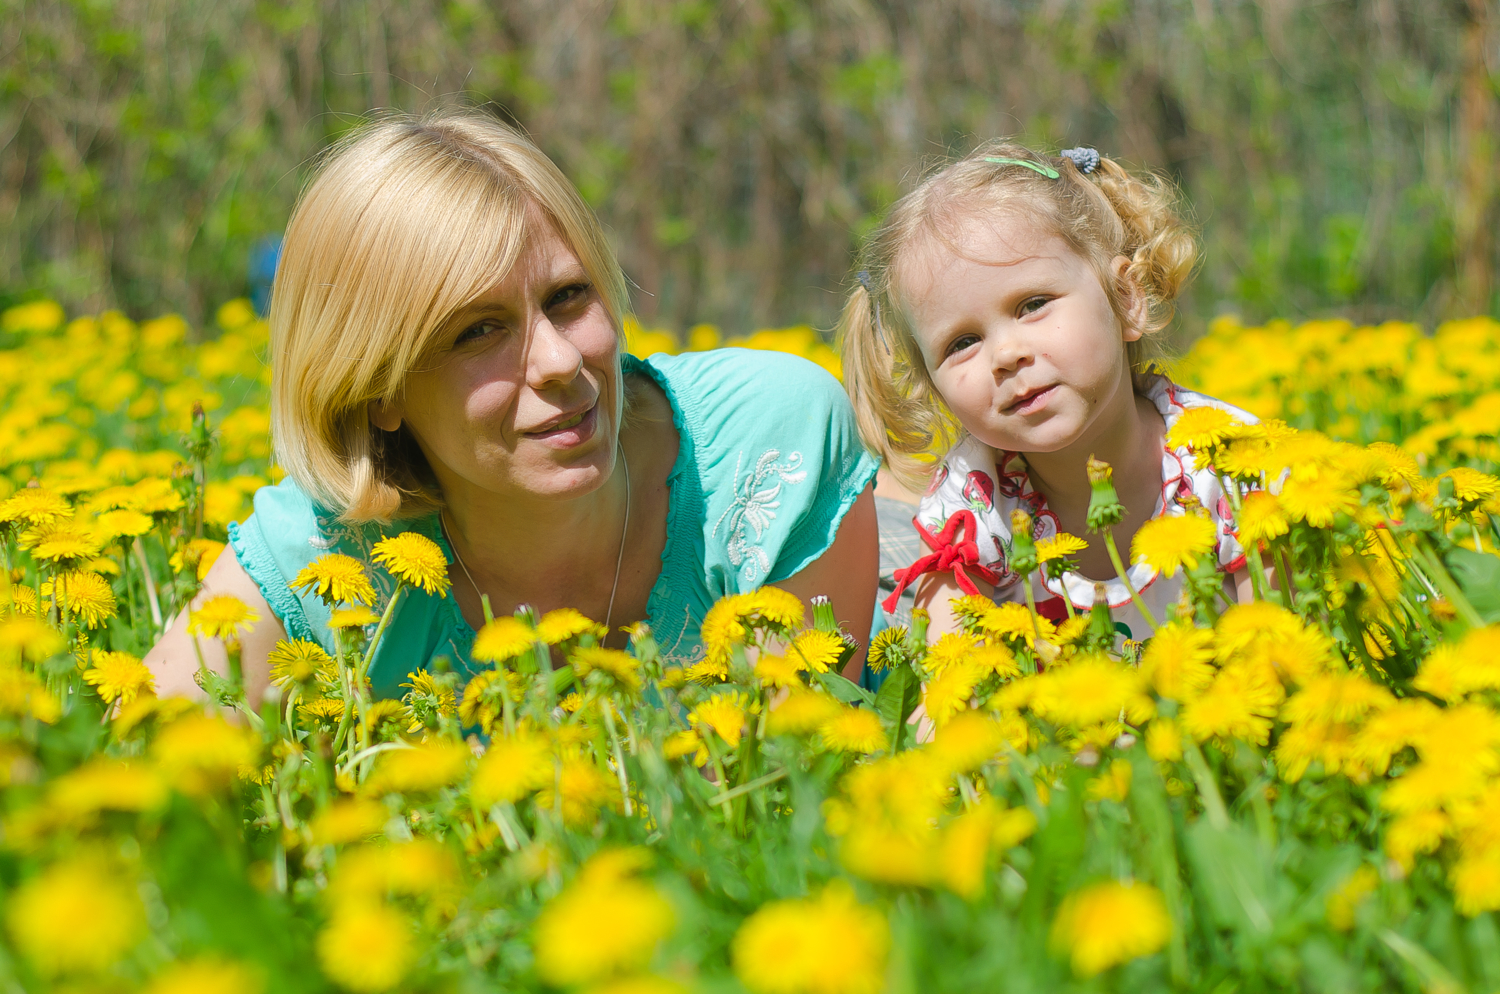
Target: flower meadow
point(1298, 792)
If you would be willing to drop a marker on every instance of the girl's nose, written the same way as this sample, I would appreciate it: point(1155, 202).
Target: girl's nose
point(551, 359)
point(1008, 352)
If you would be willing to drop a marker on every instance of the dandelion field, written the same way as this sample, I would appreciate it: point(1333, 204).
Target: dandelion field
point(1300, 792)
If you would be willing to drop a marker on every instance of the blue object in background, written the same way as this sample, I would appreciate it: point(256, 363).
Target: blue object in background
point(264, 255)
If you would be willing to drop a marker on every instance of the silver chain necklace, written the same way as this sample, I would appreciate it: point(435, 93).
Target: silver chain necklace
point(619, 559)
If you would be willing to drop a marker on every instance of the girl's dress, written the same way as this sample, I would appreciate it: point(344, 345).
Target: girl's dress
point(769, 460)
point(973, 494)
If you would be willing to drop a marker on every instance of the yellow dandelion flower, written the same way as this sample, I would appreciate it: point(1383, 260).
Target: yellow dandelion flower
point(685, 743)
point(337, 579)
point(206, 976)
point(1336, 697)
point(818, 651)
point(605, 890)
point(483, 698)
point(34, 506)
point(502, 639)
point(414, 559)
point(1178, 660)
point(325, 710)
point(951, 691)
point(802, 713)
point(1239, 704)
point(1113, 784)
point(298, 661)
point(724, 714)
point(1164, 740)
point(1433, 784)
point(952, 649)
point(347, 820)
point(1111, 923)
point(1013, 621)
point(563, 624)
point(1090, 690)
point(1349, 895)
point(724, 625)
point(510, 769)
point(1244, 626)
point(428, 693)
point(22, 694)
point(357, 616)
point(1317, 500)
point(118, 676)
point(1392, 466)
point(60, 543)
point(1470, 485)
point(200, 753)
point(419, 770)
point(1171, 542)
point(1476, 883)
point(854, 730)
point(621, 667)
point(571, 703)
point(1415, 833)
point(19, 600)
point(86, 595)
point(828, 944)
point(967, 741)
point(1203, 429)
point(75, 916)
point(1452, 671)
point(366, 947)
point(649, 983)
point(1059, 546)
point(778, 671)
point(121, 523)
point(418, 868)
point(706, 672)
point(778, 607)
point(381, 712)
point(223, 616)
point(149, 496)
point(581, 788)
point(105, 785)
point(1261, 518)
point(1387, 733)
point(881, 646)
point(198, 555)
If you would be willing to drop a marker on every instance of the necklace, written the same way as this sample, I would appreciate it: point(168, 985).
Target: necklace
point(619, 559)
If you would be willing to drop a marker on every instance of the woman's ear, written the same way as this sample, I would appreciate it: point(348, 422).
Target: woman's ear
point(1137, 307)
point(385, 414)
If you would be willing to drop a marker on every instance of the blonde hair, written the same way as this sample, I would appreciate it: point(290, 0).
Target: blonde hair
point(1103, 214)
point(406, 221)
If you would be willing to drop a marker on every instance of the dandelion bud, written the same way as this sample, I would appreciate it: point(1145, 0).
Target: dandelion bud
point(1105, 509)
point(1101, 631)
point(1023, 558)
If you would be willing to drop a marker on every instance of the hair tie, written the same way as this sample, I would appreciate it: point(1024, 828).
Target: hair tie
point(864, 280)
point(1035, 167)
point(1086, 159)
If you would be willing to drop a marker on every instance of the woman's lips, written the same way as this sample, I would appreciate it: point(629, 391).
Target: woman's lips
point(574, 431)
point(1031, 402)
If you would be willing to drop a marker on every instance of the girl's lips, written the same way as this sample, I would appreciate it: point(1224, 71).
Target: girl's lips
point(574, 431)
point(1032, 402)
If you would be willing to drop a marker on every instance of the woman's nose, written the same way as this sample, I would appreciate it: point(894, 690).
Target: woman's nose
point(551, 359)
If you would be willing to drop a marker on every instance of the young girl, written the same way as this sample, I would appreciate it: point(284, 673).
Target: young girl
point(1013, 293)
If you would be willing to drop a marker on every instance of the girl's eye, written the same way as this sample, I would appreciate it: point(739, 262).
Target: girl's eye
point(1033, 304)
point(568, 294)
point(961, 343)
point(475, 332)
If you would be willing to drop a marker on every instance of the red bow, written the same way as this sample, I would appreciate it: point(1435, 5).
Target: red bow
point(948, 553)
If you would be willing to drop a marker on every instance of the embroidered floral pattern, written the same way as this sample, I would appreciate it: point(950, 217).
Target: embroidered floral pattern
point(757, 496)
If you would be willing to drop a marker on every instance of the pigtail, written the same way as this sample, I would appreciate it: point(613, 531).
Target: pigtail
point(1160, 243)
point(899, 417)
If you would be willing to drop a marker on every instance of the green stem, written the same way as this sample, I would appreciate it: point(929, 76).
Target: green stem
point(726, 796)
point(1135, 598)
point(607, 706)
point(1208, 789)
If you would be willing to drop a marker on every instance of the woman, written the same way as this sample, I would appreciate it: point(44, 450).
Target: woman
point(446, 350)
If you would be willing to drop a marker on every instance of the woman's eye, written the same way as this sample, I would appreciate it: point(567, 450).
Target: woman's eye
point(567, 294)
point(475, 332)
point(961, 343)
point(1033, 304)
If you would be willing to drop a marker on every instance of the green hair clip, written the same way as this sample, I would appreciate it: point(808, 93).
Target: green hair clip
point(1037, 167)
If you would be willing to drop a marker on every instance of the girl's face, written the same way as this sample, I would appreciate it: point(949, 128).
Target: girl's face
point(519, 396)
point(1018, 334)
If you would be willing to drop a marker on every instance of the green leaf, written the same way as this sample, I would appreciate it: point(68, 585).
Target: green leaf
point(844, 689)
point(897, 699)
point(1478, 576)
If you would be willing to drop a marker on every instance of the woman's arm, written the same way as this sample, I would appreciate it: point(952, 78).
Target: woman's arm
point(173, 660)
point(848, 573)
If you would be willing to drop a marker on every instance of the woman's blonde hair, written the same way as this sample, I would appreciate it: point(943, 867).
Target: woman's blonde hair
point(406, 221)
point(1103, 214)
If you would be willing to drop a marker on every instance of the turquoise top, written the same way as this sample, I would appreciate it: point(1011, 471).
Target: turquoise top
point(768, 461)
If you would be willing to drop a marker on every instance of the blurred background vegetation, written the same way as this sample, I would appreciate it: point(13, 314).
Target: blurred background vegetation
point(1339, 154)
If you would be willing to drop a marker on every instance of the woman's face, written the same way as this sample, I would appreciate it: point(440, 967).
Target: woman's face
point(519, 396)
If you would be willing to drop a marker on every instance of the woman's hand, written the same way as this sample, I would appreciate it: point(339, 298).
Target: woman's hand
point(848, 574)
point(174, 662)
